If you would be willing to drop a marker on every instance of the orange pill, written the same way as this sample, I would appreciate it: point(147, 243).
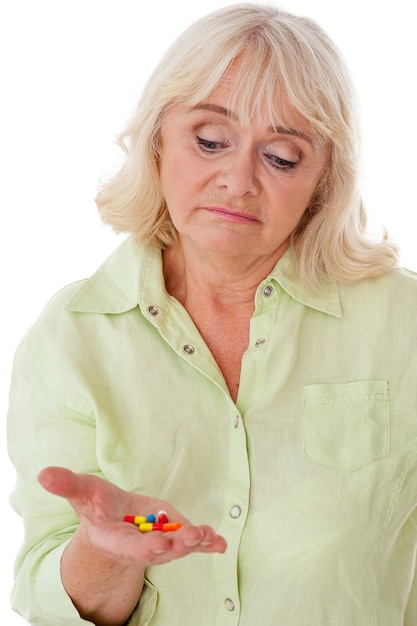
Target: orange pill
point(171, 526)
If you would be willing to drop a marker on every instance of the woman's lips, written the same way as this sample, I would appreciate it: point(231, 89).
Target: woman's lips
point(231, 215)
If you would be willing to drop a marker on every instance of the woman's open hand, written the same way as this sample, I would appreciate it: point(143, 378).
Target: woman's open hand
point(101, 507)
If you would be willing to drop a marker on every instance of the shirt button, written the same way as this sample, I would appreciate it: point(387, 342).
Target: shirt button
point(259, 343)
point(268, 291)
point(235, 511)
point(229, 604)
point(236, 422)
point(153, 310)
point(188, 349)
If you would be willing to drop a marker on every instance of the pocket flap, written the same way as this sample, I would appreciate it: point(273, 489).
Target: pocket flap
point(346, 425)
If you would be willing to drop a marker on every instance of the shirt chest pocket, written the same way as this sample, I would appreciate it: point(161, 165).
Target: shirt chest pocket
point(346, 426)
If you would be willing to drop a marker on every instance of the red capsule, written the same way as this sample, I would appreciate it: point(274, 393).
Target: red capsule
point(151, 526)
point(134, 519)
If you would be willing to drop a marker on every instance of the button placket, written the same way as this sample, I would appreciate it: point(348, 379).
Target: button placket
point(255, 361)
point(236, 497)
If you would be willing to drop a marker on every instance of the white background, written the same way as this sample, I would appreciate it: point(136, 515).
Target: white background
point(71, 73)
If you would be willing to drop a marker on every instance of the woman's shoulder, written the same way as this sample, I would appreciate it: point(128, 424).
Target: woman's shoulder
point(395, 290)
point(400, 280)
point(405, 277)
point(112, 288)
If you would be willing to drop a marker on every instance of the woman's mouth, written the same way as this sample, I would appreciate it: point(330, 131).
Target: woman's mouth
point(231, 215)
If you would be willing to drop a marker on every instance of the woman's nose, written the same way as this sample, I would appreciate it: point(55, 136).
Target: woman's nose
point(238, 174)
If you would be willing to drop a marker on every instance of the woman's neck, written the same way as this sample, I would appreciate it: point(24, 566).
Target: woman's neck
point(214, 280)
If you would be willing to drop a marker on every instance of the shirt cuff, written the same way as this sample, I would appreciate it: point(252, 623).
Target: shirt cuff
point(52, 598)
point(56, 605)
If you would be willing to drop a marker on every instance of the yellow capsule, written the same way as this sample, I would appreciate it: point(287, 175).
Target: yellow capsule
point(139, 519)
point(145, 527)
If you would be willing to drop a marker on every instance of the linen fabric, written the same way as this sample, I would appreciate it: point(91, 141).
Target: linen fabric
point(311, 476)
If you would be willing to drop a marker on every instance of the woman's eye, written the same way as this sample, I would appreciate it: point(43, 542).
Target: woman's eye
point(280, 163)
point(208, 145)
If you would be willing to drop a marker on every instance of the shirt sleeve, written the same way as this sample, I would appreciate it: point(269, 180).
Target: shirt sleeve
point(43, 430)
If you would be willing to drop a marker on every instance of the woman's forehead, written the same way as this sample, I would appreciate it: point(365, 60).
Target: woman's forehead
point(229, 97)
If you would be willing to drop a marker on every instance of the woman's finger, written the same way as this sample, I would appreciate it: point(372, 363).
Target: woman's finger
point(61, 482)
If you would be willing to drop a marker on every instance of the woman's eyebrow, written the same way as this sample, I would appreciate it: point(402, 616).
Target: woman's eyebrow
point(216, 109)
point(282, 130)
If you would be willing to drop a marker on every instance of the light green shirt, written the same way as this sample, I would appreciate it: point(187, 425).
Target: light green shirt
point(311, 476)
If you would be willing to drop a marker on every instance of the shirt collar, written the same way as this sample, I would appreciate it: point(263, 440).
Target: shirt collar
point(115, 286)
point(132, 276)
point(327, 300)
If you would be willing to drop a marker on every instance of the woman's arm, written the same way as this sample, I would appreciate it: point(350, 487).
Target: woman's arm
point(103, 566)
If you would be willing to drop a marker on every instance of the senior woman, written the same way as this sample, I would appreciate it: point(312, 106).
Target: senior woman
point(244, 361)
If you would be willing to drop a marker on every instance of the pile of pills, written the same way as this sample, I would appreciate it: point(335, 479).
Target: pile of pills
point(152, 522)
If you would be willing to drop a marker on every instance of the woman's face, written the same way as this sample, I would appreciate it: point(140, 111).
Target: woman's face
point(234, 190)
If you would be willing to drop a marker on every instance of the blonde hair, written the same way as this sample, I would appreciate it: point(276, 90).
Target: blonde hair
point(283, 58)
